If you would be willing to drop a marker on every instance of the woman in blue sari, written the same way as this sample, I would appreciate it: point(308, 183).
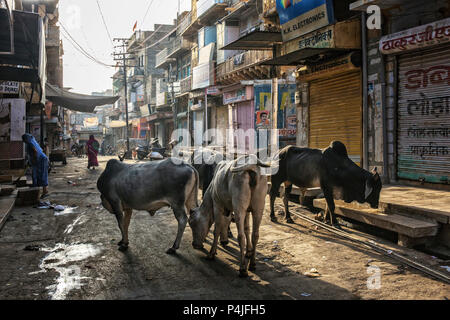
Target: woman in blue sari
point(39, 163)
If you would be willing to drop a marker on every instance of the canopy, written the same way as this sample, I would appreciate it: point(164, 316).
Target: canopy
point(76, 101)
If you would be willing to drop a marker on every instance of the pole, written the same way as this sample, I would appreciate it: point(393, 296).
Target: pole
point(206, 116)
point(126, 103)
point(365, 160)
point(274, 137)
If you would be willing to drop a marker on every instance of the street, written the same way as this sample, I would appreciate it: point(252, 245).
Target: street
point(46, 254)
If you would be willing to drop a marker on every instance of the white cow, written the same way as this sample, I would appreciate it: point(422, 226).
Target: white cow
point(235, 188)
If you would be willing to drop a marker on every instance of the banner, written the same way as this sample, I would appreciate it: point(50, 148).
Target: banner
point(298, 17)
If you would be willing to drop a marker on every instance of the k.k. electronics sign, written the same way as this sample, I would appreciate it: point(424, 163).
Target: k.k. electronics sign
point(298, 17)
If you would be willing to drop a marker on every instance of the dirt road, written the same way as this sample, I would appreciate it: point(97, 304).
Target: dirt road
point(74, 256)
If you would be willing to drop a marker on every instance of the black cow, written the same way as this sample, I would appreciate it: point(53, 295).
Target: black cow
point(205, 162)
point(330, 169)
point(148, 186)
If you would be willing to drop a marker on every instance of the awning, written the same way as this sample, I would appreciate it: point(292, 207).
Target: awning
point(118, 123)
point(297, 57)
point(255, 40)
point(76, 101)
point(361, 5)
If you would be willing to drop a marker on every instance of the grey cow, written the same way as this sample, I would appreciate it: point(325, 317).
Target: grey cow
point(234, 188)
point(149, 186)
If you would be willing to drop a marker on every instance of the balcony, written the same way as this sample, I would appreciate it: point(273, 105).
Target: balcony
point(211, 10)
point(136, 74)
point(185, 85)
point(52, 38)
point(136, 38)
point(244, 66)
point(177, 46)
point(184, 23)
point(162, 60)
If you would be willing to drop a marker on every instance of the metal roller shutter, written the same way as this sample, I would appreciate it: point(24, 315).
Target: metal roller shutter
point(335, 113)
point(424, 116)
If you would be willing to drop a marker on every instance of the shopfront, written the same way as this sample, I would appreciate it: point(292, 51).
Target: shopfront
point(241, 100)
point(335, 104)
point(423, 101)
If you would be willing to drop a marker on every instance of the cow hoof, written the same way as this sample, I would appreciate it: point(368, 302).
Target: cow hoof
point(123, 247)
point(120, 243)
point(289, 220)
point(224, 243)
point(273, 219)
point(243, 274)
point(210, 256)
point(252, 267)
point(171, 251)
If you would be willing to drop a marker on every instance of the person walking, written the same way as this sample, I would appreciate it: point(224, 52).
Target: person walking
point(38, 161)
point(92, 147)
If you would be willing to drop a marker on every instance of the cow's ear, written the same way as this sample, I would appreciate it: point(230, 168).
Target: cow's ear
point(375, 170)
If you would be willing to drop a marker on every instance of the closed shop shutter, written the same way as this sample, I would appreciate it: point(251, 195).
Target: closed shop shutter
point(222, 121)
point(335, 113)
point(198, 128)
point(424, 116)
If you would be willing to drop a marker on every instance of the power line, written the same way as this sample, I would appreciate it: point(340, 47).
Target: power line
point(104, 22)
point(87, 54)
point(80, 49)
point(146, 12)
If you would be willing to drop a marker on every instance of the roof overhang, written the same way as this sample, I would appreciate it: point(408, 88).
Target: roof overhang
point(76, 101)
point(361, 5)
point(295, 58)
point(241, 8)
point(255, 40)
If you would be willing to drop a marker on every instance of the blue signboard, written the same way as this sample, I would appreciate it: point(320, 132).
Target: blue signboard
point(298, 17)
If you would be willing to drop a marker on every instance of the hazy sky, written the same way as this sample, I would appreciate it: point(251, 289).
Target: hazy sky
point(83, 21)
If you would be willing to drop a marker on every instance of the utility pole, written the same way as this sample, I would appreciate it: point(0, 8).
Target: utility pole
point(122, 57)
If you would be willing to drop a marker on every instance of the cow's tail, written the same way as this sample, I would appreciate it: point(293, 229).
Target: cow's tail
point(193, 195)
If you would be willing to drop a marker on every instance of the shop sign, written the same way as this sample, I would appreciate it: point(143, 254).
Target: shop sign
point(342, 35)
point(234, 96)
point(416, 38)
point(299, 17)
point(336, 66)
point(9, 87)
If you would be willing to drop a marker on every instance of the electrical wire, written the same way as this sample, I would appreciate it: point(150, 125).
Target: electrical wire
point(80, 48)
point(104, 23)
point(146, 12)
point(373, 245)
point(84, 53)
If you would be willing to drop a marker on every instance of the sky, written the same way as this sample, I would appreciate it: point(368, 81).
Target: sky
point(83, 21)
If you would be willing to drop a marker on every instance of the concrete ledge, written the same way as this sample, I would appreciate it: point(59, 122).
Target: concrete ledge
point(6, 206)
point(403, 225)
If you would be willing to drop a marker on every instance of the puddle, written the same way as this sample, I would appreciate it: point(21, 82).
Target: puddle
point(79, 220)
point(68, 210)
point(63, 258)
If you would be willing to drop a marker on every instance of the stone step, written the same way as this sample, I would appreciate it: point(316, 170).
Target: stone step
point(403, 225)
point(416, 211)
point(6, 206)
point(28, 196)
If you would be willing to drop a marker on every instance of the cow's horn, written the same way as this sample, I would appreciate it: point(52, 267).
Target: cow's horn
point(368, 190)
